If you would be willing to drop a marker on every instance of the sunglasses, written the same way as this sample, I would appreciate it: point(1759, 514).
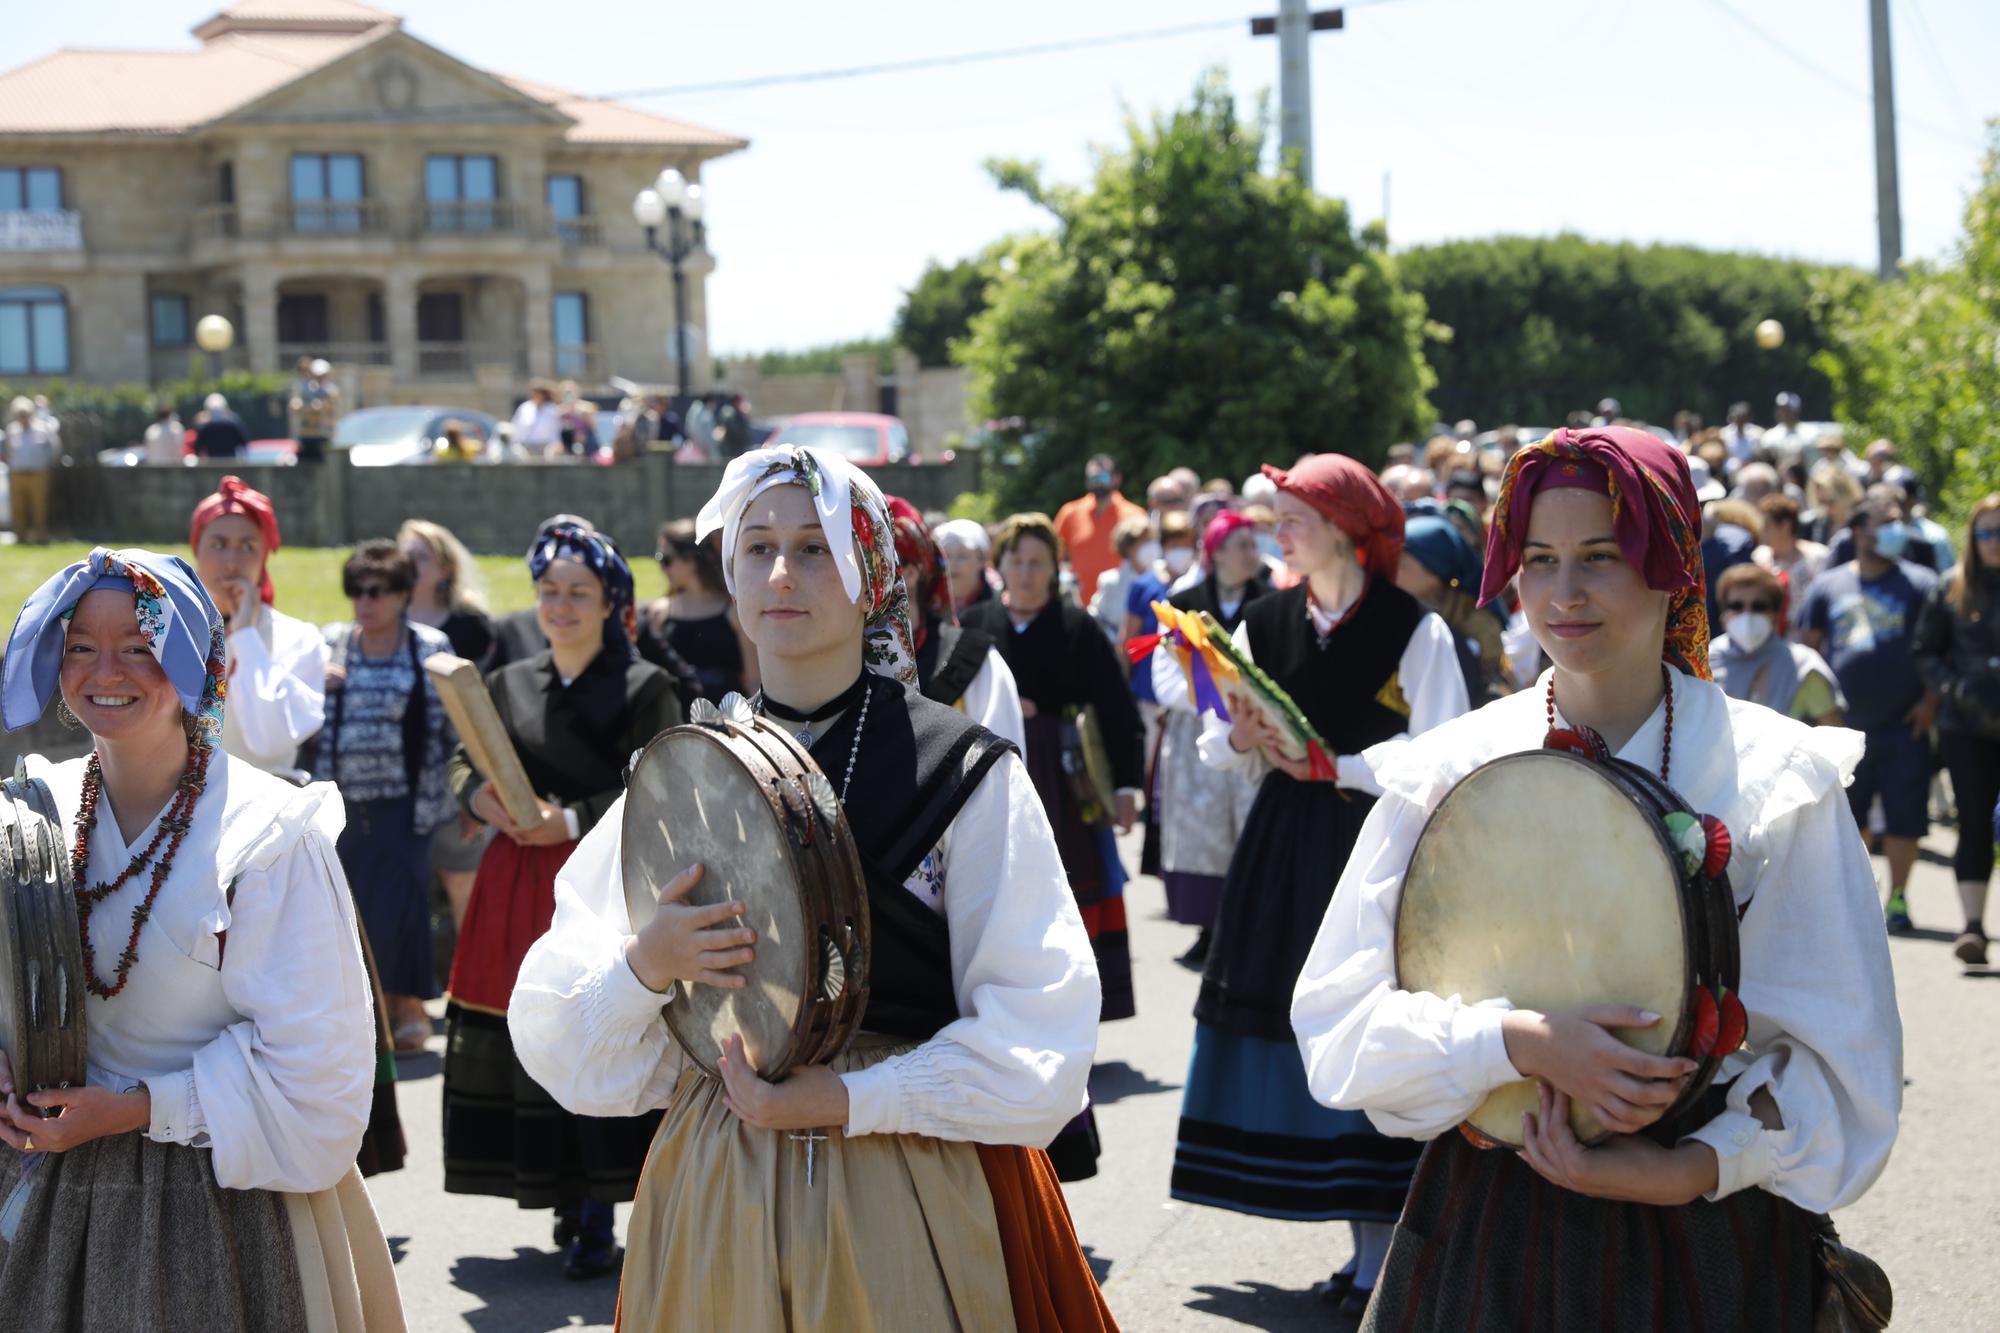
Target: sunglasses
point(372, 592)
point(1986, 534)
point(1761, 608)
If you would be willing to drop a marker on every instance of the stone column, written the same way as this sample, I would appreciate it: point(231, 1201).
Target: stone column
point(259, 334)
point(539, 321)
point(399, 309)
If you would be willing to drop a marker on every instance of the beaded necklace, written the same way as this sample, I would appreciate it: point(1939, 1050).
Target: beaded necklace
point(173, 827)
point(805, 737)
point(1666, 742)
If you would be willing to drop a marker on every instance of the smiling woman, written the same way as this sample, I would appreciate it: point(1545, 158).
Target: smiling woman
point(221, 1058)
point(1799, 1120)
point(982, 1004)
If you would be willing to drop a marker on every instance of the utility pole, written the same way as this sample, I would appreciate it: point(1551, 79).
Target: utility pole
point(1888, 196)
point(1294, 25)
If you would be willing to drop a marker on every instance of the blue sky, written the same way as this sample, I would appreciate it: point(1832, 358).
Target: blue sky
point(1640, 119)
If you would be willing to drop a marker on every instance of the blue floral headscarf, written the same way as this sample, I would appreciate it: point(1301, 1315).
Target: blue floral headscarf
point(596, 553)
point(176, 618)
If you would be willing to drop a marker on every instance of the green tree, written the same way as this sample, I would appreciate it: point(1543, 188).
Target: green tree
point(1191, 309)
point(1918, 360)
point(1531, 329)
point(938, 311)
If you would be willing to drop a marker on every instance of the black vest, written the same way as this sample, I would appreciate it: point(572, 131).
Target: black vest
point(919, 763)
point(951, 656)
point(1342, 687)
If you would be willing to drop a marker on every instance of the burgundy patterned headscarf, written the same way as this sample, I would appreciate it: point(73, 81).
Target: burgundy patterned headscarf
point(915, 546)
point(1350, 497)
point(1654, 515)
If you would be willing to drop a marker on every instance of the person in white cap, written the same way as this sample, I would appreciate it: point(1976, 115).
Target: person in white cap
point(315, 408)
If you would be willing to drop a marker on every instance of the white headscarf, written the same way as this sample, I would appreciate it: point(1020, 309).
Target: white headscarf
point(962, 531)
point(854, 515)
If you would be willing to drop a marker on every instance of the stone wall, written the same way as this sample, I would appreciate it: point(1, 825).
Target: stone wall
point(492, 508)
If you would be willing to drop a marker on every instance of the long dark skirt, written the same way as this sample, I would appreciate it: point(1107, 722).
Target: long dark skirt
point(1252, 1139)
point(503, 1134)
point(1090, 857)
point(388, 865)
point(126, 1233)
point(1485, 1244)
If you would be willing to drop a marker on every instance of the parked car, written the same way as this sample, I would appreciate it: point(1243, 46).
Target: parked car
point(392, 436)
point(868, 439)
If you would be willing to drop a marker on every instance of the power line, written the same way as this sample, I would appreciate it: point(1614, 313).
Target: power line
point(1936, 59)
point(1832, 79)
point(918, 63)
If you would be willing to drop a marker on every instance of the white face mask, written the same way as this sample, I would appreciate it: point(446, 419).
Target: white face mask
point(1178, 560)
point(1147, 554)
point(1749, 630)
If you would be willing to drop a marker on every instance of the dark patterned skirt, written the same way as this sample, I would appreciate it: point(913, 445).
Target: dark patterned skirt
point(1090, 857)
point(1253, 1140)
point(126, 1233)
point(1485, 1244)
point(388, 867)
point(1192, 900)
point(503, 1134)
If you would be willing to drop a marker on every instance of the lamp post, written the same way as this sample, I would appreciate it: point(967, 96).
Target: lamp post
point(674, 201)
point(214, 335)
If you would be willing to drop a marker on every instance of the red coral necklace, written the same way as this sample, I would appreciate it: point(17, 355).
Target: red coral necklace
point(1585, 740)
point(173, 827)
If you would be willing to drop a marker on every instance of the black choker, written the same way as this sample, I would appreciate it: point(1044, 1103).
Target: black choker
point(840, 703)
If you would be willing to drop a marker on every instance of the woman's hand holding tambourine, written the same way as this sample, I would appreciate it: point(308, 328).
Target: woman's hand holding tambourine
point(1627, 1167)
point(681, 943)
point(84, 1114)
point(809, 1097)
point(1573, 1049)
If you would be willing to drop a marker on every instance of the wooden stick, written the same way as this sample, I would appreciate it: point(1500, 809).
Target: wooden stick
point(486, 742)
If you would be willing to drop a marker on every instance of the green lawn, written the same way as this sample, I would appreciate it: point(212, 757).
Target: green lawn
point(307, 578)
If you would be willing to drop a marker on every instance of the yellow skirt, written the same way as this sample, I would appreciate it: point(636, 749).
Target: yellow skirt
point(897, 1231)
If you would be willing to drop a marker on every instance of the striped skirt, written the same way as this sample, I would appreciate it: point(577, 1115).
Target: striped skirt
point(1486, 1245)
point(1253, 1140)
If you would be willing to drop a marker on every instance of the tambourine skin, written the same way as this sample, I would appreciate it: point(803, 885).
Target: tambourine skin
point(42, 1021)
point(748, 802)
point(1552, 880)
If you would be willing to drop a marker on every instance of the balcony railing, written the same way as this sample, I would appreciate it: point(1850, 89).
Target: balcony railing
point(24, 229)
point(460, 360)
point(580, 231)
point(218, 222)
point(338, 217)
point(486, 217)
point(579, 361)
point(341, 354)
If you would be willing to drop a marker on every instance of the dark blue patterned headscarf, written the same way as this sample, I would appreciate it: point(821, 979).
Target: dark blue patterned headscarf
point(596, 553)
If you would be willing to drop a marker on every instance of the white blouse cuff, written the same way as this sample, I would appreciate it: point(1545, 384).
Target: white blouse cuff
point(874, 1095)
point(620, 1002)
point(1742, 1152)
point(177, 1116)
point(1478, 1031)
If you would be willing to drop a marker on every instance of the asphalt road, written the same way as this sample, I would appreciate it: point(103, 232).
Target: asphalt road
point(1933, 1220)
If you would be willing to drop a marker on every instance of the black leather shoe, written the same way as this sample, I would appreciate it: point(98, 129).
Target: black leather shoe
point(1334, 1290)
point(589, 1258)
point(1196, 957)
point(565, 1230)
point(1355, 1303)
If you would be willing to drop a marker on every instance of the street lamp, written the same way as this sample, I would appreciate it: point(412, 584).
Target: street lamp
point(214, 335)
point(672, 199)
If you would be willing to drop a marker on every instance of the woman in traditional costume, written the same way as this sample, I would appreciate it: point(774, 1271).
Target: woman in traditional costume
point(1711, 1231)
point(955, 665)
point(1063, 664)
point(1202, 809)
point(1367, 663)
point(927, 1203)
point(575, 712)
point(277, 701)
point(204, 1176)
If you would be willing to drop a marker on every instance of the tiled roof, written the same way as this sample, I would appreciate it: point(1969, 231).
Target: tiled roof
point(157, 92)
point(602, 122)
point(171, 92)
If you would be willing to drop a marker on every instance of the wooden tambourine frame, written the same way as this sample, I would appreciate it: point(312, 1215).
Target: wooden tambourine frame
point(463, 693)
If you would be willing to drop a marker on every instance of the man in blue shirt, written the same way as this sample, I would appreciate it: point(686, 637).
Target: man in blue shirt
point(1861, 617)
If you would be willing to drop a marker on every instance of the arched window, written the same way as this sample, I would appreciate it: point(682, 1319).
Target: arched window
point(34, 331)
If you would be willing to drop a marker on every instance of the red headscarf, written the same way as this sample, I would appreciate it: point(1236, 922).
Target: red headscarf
point(1654, 515)
point(916, 546)
point(1349, 496)
point(234, 496)
point(1218, 532)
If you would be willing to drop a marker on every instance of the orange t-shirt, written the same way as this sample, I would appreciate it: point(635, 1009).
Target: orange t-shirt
point(1086, 537)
